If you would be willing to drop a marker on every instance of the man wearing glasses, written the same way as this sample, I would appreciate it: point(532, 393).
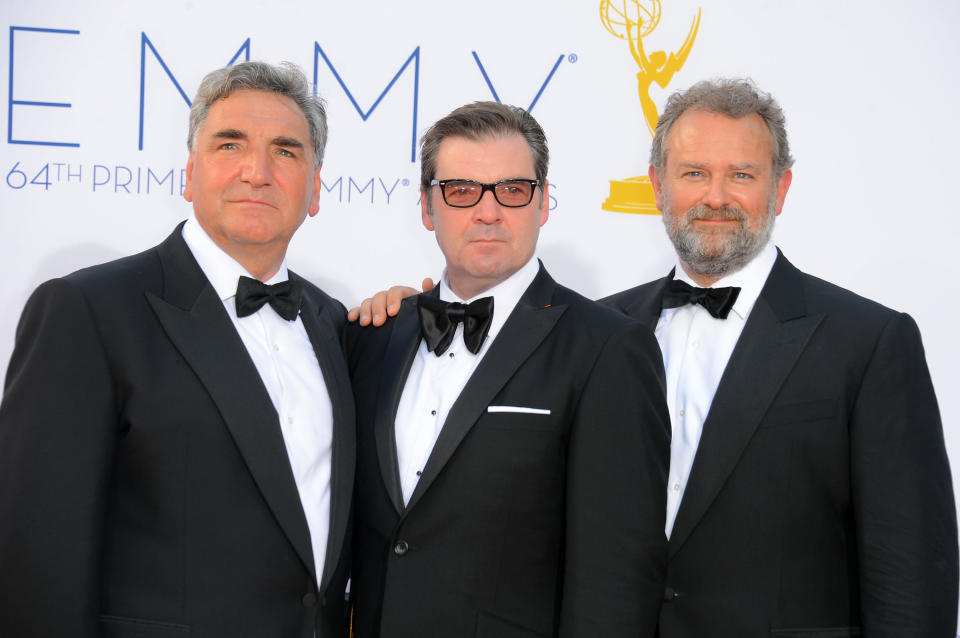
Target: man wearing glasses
point(513, 436)
point(810, 491)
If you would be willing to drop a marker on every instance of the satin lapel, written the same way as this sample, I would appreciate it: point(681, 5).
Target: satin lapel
point(528, 325)
point(404, 341)
point(193, 317)
point(774, 337)
point(647, 310)
point(326, 344)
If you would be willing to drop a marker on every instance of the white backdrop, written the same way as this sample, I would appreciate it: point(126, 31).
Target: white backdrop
point(869, 88)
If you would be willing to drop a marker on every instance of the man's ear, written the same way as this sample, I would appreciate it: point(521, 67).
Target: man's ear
point(657, 186)
point(315, 200)
point(545, 203)
point(425, 215)
point(783, 185)
point(188, 187)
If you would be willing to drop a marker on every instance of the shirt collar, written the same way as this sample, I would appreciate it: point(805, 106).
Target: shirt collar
point(506, 294)
point(221, 270)
point(750, 279)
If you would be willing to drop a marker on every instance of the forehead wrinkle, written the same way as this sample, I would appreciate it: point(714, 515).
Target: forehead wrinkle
point(487, 159)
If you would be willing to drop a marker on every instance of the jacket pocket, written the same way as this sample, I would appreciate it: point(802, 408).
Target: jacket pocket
point(817, 632)
point(490, 626)
point(513, 418)
point(787, 413)
point(125, 627)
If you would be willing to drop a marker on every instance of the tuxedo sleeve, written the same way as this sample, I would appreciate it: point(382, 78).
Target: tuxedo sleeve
point(619, 449)
point(903, 499)
point(58, 421)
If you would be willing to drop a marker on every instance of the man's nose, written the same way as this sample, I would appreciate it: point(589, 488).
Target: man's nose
point(488, 209)
point(718, 194)
point(256, 167)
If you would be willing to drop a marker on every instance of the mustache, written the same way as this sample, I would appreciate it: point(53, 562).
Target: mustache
point(727, 213)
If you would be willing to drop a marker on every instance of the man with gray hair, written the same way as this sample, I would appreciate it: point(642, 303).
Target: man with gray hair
point(177, 430)
point(809, 491)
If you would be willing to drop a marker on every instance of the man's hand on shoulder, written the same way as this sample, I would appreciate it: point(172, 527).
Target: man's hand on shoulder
point(386, 303)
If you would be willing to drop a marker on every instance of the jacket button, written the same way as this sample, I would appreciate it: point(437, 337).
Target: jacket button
point(401, 548)
point(670, 595)
point(309, 599)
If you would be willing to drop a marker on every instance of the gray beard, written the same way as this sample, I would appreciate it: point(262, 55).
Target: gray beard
point(700, 253)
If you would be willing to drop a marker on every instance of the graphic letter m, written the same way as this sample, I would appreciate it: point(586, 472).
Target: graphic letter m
point(414, 57)
point(146, 44)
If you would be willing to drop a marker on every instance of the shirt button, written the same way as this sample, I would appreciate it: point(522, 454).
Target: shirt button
point(276, 347)
point(682, 412)
point(419, 472)
point(451, 355)
point(401, 548)
point(433, 413)
point(676, 487)
point(290, 420)
point(695, 344)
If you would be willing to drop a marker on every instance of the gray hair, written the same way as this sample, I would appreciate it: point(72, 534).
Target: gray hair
point(285, 79)
point(483, 120)
point(732, 97)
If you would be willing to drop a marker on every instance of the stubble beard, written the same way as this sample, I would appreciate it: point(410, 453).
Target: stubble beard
point(717, 252)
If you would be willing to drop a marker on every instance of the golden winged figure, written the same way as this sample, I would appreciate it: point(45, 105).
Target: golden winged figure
point(657, 66)
point(633, 20)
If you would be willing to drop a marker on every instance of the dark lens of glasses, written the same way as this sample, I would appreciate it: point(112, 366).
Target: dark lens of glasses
point(518, 193)
point(465, 193)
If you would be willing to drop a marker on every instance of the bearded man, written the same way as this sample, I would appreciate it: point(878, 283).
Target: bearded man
point(809, 491)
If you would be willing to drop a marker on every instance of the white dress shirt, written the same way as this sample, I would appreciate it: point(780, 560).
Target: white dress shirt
point(285, 360)
point(435, 383)
point(696, 348)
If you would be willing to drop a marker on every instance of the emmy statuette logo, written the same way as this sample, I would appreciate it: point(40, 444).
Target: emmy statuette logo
point(633, 20)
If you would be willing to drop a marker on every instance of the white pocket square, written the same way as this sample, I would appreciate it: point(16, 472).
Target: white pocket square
point(517, 409)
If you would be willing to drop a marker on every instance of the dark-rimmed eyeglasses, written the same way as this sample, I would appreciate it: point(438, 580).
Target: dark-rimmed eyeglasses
point(464, 193)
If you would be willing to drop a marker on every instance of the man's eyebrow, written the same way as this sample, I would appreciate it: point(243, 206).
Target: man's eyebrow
point(745, 166)
point(230, 134)
point(291, 142)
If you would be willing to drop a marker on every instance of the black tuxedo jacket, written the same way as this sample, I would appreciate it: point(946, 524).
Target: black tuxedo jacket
point(521, 525)
point(145, 489)
point(820, 499)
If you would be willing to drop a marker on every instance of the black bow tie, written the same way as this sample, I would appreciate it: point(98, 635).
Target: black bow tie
point(438, 322)
point(284, 297)
point(717, 301)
